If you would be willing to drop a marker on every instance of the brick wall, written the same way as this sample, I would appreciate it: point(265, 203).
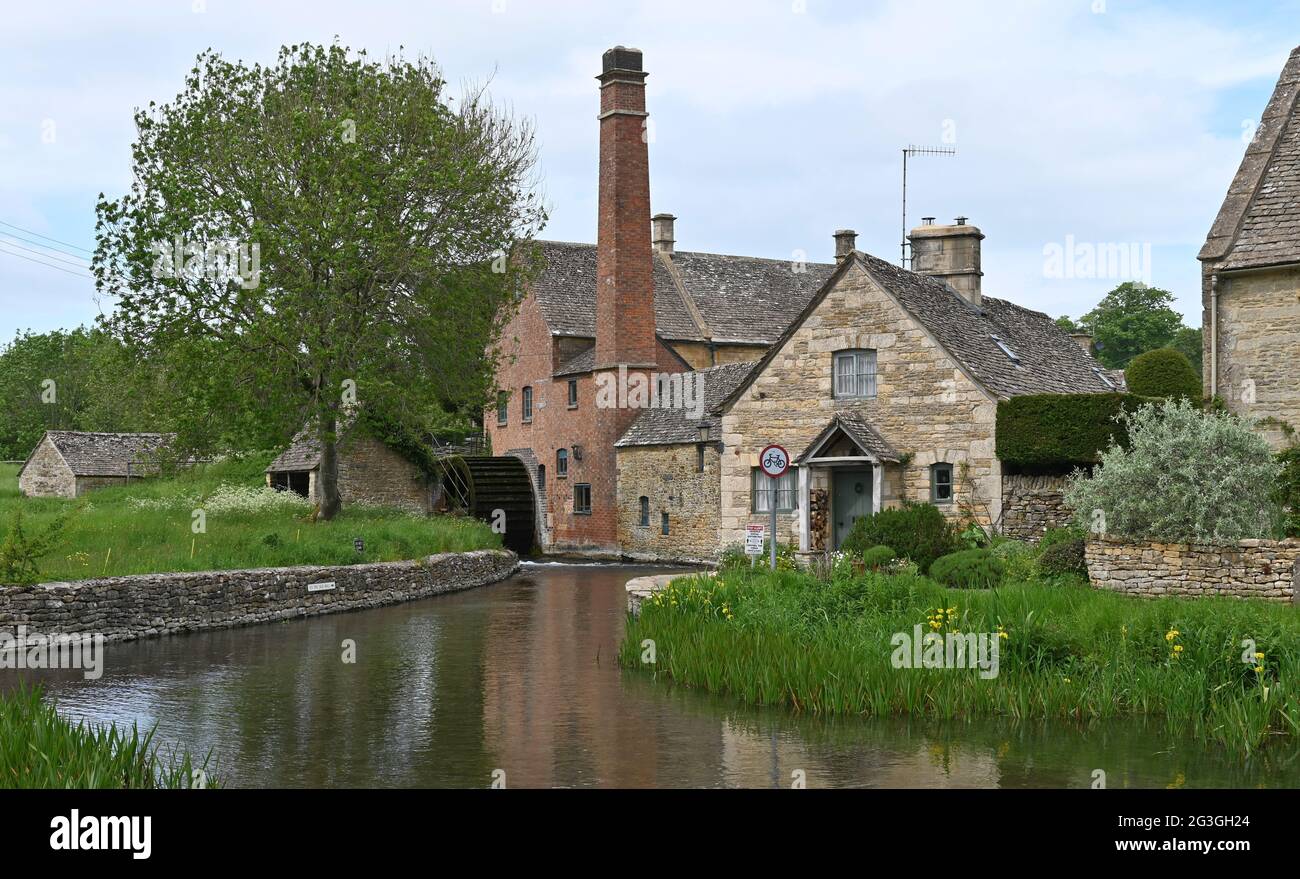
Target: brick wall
point(1264, 569)
point(1032, 504)
point(669, 477)
point(46, 474)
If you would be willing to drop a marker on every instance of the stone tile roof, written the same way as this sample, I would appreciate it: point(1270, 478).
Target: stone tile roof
point(729, 298)
point(108, 454)
point(580, 363)
point(657, 427)
point(1259, 222)
point(858, 429)
point(303, 453)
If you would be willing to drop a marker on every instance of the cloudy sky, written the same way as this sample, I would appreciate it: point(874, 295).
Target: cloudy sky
point(1097, 122)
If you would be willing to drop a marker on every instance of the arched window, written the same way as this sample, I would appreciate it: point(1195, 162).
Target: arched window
point(561, 463)
point(541, 477)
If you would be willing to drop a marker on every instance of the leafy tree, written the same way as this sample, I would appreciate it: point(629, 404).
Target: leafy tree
point(1163, 372)
point(1189, 343)
point(319, 233)
point(1131, 319)
point(1186, 476)
point(1069, 324)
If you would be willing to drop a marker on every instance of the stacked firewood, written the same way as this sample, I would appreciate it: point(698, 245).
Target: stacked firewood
point(818, 516)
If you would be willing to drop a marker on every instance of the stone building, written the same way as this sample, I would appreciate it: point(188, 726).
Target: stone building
point(370, 472)
point(68, 463)
point(1250, 269)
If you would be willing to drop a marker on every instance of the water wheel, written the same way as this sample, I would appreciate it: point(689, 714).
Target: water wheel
point(483, 486)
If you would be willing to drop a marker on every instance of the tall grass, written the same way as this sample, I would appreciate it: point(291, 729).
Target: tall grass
point(1071, 653)
point(41, 749)
point(146, 526)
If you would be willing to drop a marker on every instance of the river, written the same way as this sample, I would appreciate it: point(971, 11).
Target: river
point(518, 682)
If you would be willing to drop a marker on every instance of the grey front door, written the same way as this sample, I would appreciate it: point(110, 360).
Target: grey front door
point(850, 498)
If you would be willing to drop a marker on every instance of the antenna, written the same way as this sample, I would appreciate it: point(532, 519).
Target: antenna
point(913, 150)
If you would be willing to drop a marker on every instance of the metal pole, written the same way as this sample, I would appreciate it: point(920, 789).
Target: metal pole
point(902, 262)
point(773, 535)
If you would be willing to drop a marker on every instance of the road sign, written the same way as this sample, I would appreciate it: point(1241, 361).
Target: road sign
point(754, 536)
point(774, 461)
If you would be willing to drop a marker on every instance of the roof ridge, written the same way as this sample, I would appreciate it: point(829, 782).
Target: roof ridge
point(692, 307)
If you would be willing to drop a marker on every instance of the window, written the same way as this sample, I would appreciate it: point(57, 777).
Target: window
point(645, 511)
point(762, 491)
point(561, 463)
point(582, 498)
point(541, 477)
point(528, 405)
point(1011, 355)
point(941, 483)
point(503, 400)
point(1101, 374)
point(699, 457)
point(663, 522)
point(854, 374)
point(573, 393)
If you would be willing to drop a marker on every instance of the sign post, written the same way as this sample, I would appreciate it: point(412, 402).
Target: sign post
point(753, 542)
point(773, 461)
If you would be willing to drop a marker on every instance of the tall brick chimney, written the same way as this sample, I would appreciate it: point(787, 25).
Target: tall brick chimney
point(625, 306)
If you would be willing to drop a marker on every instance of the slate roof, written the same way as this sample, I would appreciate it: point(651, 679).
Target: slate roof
point(1046, 360)
point(728, 298)
point(658, 427)
point(108, 454)
point(1259, 222)
point(860, 431)
point(580, 363)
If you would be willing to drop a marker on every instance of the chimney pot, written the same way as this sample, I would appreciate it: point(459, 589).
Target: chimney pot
point(846, 241)
point(927, 221)
point(661, 237)
point(961, 221)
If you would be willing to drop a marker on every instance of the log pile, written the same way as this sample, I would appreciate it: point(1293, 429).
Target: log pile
point(818, 518)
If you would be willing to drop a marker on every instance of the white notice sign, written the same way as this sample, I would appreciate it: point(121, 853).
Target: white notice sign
point(320, 587)
point(754, 536)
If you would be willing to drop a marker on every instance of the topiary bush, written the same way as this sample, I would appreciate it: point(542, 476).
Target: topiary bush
point(1051, 432)
point(1063, 557)
point(968, 569)
point(1188, 476)
point(1165, 373)
point(878, 557)
point(916, 531)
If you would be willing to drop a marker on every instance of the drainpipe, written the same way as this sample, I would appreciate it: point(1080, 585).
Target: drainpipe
point(1214, 335)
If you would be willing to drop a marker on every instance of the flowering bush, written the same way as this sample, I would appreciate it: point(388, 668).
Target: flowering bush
point(1187, 476)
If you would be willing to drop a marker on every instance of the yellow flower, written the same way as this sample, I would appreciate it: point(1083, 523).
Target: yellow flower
point(1259, 669)
point(1259, 655)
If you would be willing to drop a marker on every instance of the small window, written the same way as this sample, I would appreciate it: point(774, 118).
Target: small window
point(1105, 379)
point(503, 401)
point(699, 457)
point(561, 463)
point(528, 405)
point(582, 498)
point(645, 511)
point(663, 522)
point(541, 477)
point(1011, 355)
point(763, 485)
point(854, 375)
point(941, 484)
point(573, 393)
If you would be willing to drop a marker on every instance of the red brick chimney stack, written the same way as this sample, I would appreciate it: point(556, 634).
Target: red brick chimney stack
point(625, 307)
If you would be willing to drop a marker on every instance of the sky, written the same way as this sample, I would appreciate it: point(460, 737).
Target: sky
point(1076, 123)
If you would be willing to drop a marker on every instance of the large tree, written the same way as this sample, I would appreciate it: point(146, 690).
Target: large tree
point(333, 226)
point(1131, 319)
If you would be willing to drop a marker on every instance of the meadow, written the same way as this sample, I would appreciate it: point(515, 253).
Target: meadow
point(149, 526)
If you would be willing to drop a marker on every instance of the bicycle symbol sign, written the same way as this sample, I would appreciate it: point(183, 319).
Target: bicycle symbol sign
point(774, 461)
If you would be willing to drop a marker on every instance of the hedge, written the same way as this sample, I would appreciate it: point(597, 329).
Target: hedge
point(1164, 372)
point(1060, 431)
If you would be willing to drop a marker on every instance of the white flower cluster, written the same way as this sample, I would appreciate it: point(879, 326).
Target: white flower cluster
point(250, 499)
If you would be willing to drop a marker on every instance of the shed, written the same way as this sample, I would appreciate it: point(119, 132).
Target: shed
point(68, 463)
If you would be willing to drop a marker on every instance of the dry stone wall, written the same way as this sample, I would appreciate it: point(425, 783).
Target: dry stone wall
point(1032, 504)
point(1265, 569)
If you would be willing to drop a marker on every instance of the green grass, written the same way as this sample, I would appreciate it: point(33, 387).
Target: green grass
point(41, 749)
point(1072, 653)
point(146, 527)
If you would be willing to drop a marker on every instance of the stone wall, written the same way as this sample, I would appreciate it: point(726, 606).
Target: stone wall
point(46, 474)
point(1032, 504)
point(124, 608)
point(372, 473)
point(669, 477)
point(1265, 569)
point(925, 404)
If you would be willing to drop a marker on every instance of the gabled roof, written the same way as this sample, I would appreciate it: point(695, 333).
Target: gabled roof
point(1259, 222)
point(657, 427)
point(1043, 358)
point(108, 454)
point(698, 296)
point(858, 429)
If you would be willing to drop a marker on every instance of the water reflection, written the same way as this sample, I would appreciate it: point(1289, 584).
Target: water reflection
point(522, 677)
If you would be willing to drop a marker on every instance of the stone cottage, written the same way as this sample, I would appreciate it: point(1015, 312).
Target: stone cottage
point(1250, 273)
point(68, 463)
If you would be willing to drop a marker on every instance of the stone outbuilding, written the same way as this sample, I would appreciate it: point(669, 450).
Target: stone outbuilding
point(1250, 270)
point(68, 463)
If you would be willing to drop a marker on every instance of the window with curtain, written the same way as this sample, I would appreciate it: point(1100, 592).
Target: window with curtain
point(854, 374)
point(763, 487)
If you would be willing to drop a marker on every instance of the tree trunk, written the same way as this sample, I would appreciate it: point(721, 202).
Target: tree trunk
point(328, 479)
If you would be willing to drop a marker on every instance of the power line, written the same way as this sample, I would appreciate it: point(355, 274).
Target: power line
point(46, 264)
point(57, 254)
point(47, 238)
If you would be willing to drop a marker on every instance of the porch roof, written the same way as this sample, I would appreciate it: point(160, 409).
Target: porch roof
point(857, 429)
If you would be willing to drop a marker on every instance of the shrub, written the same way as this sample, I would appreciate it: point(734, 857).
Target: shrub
point(1288, 491)
point(20, 552)
point(1163, 372)
point(916, 531)
point(878, 557)
point(968, 569)
point(1053, 536)
point(1063, 557)
point(1187, 476)
point(1019, 559)
point(1055, 431)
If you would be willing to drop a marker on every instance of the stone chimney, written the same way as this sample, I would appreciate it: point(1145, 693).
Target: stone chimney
point(625, 307)
point(951, 254)
point(662, 232)
point(1083, 340)
point(846, 241)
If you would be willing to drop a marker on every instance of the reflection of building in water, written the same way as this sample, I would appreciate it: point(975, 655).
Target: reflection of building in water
point(557, 712)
